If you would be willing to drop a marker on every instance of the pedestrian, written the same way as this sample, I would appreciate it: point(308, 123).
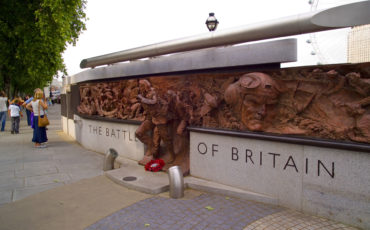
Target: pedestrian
point(28, 99)
point(15, 113)
point(51, 98)
point(3, 109)
point(38, 107)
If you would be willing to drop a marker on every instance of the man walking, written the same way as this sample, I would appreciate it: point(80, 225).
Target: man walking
point(3, 109)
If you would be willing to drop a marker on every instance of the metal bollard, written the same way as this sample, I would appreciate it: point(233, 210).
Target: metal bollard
point(110, 156)
point(176, 182)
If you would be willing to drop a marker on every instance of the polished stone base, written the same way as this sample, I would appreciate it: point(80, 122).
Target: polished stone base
point(323, 181)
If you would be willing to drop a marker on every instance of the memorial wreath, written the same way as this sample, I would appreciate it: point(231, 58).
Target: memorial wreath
point(154, 165)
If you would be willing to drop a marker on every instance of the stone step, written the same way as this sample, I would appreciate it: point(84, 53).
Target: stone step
point(133, 176)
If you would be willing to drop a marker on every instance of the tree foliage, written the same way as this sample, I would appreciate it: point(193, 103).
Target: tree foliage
point(33, 36)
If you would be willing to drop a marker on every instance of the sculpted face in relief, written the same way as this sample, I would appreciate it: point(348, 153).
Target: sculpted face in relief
point(251, 97)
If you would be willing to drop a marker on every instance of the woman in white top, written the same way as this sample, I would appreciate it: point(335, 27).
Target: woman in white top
point(3, 110)
point(38, 105)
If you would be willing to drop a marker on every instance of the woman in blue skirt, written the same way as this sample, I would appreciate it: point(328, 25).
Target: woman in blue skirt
point(38, 106)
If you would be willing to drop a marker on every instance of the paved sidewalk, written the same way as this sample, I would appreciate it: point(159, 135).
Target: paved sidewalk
point(62, 187)
point(25, 170)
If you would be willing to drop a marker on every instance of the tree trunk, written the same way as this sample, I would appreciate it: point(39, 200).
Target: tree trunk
point(7, 85)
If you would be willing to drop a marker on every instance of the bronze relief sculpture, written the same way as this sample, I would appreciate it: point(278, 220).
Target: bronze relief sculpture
point(312, 102)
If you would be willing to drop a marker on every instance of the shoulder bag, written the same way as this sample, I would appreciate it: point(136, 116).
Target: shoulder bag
point(43, 121)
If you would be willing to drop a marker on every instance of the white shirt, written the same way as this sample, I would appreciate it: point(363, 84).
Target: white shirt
point(14, 110)
point(3, 101)
point(35, 108)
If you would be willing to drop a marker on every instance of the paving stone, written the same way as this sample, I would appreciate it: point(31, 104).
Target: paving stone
point(4, 162)
point(46, 179)
point(27, 191)
point(76, 167)
point(10, 182)
point(6, 196)
point(30, 165)
point(8, 158)
point(38, 157)
point(85, 173)
point(77, 160)
point(9, 172)
point(36, 171)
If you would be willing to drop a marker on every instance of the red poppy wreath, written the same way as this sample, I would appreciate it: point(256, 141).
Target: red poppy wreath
point(154, 165)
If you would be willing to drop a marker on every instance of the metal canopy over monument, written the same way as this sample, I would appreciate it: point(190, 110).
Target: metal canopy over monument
point(297, 137)
point(268, 53)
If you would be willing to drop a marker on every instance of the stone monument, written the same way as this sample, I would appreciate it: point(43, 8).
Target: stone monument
point(231, 115)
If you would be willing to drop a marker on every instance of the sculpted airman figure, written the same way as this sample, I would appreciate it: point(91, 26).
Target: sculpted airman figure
point(250, 99)
point(156, 111)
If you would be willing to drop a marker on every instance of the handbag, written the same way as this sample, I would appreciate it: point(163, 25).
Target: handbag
point(43, 121)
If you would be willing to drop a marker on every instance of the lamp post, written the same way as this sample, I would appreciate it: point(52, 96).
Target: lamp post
point(211, 22)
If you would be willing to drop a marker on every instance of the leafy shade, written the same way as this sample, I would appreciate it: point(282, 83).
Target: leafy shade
point(33, 37)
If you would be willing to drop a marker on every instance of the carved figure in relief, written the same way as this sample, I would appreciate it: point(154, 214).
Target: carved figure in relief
point(108, 100)
point(129, 106)
point(250, 99)
point(184, 109)
point(357, 108)
point(325, 104)
point(184, 105)
point(156, 112)
point(96, 94)
point(362, 87)
point(130, 96)
point(87, 105)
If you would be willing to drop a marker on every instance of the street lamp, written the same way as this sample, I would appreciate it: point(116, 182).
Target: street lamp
point(211, 22)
